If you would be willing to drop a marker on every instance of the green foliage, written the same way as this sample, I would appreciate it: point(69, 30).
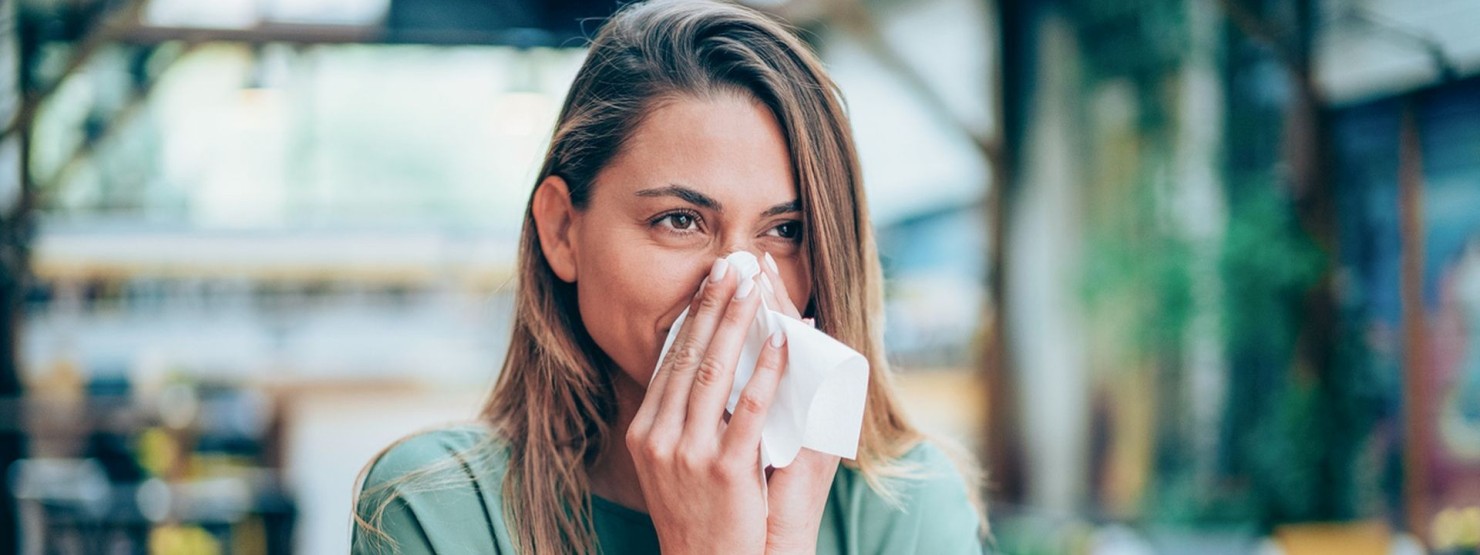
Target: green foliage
point(1137, 275)
point(1038, 534)
point(1286, 427)
point(1286, 452)
point(1130, 38)
point(1138, 289)
point(1268, 264)
point(1182, 501)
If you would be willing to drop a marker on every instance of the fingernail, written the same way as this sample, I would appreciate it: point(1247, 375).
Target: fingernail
point(771, 263)
point(778, 338)
point(766, 282)
point(717, 272)
point(810, 322)
point(745, 286)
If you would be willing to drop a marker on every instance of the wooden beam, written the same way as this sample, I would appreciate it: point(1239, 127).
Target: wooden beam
point(308, 35)
point(261, 34)
point(96, 38)
point(132, 106)
point(1416, 395)
point(1003, 449)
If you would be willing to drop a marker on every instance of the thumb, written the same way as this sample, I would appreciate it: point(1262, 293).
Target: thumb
point(810, 469)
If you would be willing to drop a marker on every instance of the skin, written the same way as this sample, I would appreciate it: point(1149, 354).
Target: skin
point(698, 179)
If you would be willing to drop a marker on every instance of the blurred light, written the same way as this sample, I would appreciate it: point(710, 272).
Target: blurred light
point(327, 12)
point(242, 14)
point(523, 114)
point(178, 405)
point(80, 480)
point(157, 451)
point(176, 539)
point(227, 14)
point(261, 108)
point(524, 110)
point(913, 162)
point(153, 499)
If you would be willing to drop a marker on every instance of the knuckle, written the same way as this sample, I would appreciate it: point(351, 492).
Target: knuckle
point(735, 317)
point(750, 403)
point(635, 438)
point(710, 372)
point(724, 470)
point(686, 355)
point(654, 453)
point(692, 461)
point(712, 300)
point(654, 449)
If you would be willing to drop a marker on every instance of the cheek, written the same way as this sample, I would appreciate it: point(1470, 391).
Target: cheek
point(798, 281)
point(612, 295)
point(800, 289)
point(627, 295)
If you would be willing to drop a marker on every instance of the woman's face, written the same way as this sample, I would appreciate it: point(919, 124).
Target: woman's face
point(697, 180)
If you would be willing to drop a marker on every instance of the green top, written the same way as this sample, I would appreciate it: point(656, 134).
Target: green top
point(466, 514)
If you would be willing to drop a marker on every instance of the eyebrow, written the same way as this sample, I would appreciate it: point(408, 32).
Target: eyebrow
point(702, 200)
point(688, 195)
point(783, 208)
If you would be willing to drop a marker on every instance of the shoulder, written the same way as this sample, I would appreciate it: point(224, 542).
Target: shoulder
point(468, 448)
point(435, 491)
point(926, 506)
point(933, 478)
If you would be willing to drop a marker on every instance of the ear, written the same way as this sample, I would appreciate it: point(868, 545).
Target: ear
point(554, 216)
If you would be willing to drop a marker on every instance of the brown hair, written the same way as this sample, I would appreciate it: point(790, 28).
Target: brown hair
point(553, 402)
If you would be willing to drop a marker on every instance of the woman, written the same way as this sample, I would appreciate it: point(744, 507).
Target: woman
point(692, 130)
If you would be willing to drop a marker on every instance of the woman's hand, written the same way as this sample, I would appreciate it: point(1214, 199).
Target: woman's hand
point(699, 474)
point(797, 493)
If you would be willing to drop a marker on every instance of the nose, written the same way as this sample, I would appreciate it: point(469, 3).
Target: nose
point(747, 268)
point(722, 250)
point(735, 246)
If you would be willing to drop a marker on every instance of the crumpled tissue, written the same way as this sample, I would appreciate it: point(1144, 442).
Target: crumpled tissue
point(820, 399)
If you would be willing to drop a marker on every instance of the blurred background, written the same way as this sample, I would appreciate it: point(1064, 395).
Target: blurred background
point(1190, 276)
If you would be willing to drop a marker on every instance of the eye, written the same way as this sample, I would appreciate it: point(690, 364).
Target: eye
point(681, 221)
point(788, 230)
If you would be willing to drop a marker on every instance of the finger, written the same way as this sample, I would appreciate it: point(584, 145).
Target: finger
point(773, 273)
point(670, 384)
point(808, 463)
point(660, 378)
point(768, 292)
point(716, 374)
point(808, 460)
point(743, 435)
point(809, 476)
point(689, 348)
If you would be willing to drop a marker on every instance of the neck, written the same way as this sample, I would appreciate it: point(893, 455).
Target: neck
point(612, 475)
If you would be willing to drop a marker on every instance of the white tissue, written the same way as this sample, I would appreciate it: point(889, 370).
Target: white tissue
point(819, 401)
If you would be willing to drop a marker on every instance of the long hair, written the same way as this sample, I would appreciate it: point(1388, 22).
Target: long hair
point(553, 403)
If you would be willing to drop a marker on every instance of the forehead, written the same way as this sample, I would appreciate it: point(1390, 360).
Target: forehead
point(729, 146)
